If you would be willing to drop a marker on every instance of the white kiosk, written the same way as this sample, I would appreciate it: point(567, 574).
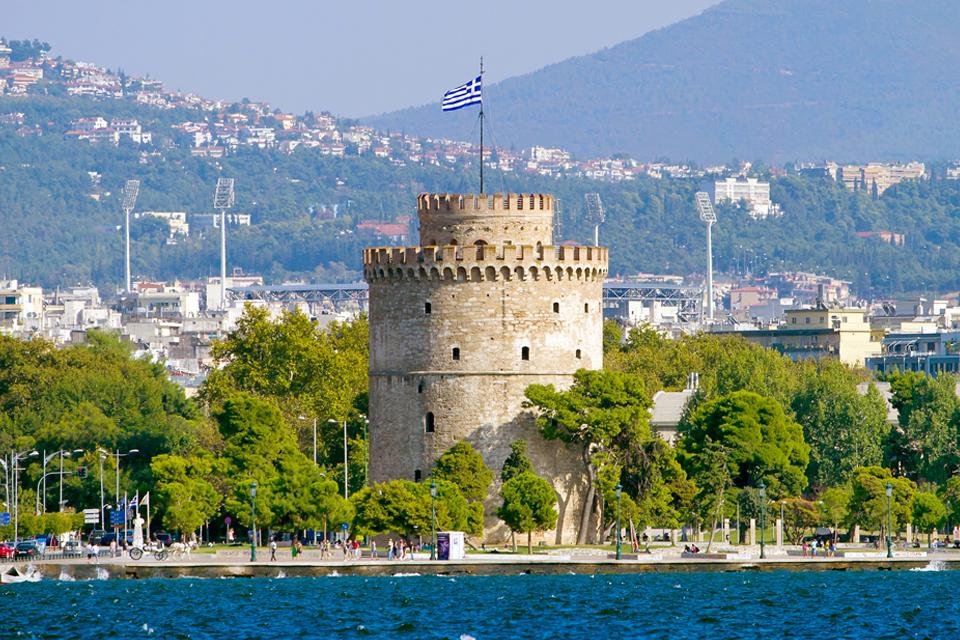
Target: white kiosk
point(450, 545)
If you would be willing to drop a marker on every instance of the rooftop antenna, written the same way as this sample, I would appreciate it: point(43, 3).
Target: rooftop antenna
point(708, 215)
point(595, 214)
point(130, 192)
point(223, 199)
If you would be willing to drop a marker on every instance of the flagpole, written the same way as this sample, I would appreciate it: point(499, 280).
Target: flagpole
point(481, 129)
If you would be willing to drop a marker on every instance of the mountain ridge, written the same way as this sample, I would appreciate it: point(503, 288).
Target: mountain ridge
point(779, 80)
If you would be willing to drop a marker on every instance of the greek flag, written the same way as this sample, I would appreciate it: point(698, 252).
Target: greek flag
point(462, 96)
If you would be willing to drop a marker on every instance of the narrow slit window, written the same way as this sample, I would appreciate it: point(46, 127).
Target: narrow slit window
point(456, 353)
point(586, 307)
point(427, 308)
point(525, 353)
point(578, 354)
point(416, 475)
point(420, 386)
point(556, 307)
point(428, 423)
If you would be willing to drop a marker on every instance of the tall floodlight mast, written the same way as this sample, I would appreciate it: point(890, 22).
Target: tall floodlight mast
point(595, 214)
point(708, 215)
point(223, 200)
point(130, 192)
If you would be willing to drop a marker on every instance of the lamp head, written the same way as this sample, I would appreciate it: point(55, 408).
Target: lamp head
point(763, 490)
point(433, 488)
point(889, 490)
point(134, 451)
point(253, 489)
point(619, 490)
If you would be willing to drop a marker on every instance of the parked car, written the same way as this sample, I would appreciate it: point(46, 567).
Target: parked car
point(7, 550)
point(27, 549)
point(95, 536)
point(72, 549)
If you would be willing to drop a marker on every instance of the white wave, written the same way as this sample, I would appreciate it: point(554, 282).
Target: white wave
point(65, 577)
point(281, 574)
point(933, 565)
point(405, 575)
point(102, 574)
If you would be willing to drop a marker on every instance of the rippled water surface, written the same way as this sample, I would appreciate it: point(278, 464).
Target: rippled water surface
point(900, 604)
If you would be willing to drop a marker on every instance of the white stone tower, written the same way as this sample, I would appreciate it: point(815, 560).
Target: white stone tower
point(463, 323)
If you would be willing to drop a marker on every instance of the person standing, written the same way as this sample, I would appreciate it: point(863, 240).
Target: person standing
point(273, 551)
point(373, 548)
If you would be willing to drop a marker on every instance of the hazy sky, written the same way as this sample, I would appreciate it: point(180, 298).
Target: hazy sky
point(352, 57)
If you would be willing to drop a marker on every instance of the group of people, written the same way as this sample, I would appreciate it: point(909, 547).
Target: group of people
point(399, 550)
point(828, 547)
point(691, 548)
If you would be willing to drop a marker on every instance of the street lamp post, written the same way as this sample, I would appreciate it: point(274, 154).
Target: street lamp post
point(253, 521)
point(15, 475)
point(433, 518)
point(42, 493)
point(116, 454)
point(889, 540)
point(619, 490)
point(763, 516)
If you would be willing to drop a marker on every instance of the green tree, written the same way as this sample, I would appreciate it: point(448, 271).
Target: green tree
point(605, 414)
point(529, 504)
point(184, 495)
point(259, 448)
point(835, 503)
point(517, 462)
point(761, 442)
point(928, 512)
point(927, 444)
point(464, 466)
point(868, 500)
point(843, 428)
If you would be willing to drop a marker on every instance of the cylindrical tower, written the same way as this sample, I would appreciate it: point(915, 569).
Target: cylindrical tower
point(462, 324)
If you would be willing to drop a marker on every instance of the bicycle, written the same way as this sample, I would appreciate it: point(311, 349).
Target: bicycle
point(158, 554)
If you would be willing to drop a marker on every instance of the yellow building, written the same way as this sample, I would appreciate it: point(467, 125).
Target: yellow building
point(820, 332)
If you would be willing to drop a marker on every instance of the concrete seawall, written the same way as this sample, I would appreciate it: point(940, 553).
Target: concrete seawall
point(211, 567)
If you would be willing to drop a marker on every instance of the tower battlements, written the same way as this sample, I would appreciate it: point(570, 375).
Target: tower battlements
point(498, 218)
point(507, 262)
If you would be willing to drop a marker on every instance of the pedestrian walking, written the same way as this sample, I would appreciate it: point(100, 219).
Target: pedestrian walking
point(373, 548)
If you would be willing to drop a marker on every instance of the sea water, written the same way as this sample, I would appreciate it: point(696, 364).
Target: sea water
point(766, 606)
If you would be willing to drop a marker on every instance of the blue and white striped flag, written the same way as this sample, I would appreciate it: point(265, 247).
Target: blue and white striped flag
point(463, 96)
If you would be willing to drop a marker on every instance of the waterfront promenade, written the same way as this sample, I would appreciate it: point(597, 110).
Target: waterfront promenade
point(236, 563)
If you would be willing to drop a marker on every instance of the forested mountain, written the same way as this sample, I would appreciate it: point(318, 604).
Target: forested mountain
point(778, 80)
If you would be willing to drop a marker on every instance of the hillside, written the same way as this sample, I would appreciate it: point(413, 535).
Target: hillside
point(778, 80)
point(316, 188)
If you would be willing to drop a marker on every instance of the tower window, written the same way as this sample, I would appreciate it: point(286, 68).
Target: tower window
point(578, 354)
point(525, 353)
point(416, 475)
point(427, 308)
point(586, 307)
point(456, 353)
point(420, 386)
point(428, 422)
point(556, 307)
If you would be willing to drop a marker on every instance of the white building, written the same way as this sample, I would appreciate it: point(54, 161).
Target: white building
point(750, 190)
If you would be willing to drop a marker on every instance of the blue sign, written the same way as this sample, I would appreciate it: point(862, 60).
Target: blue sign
point(4, 517)
point(344, 526)
point(116, 518)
